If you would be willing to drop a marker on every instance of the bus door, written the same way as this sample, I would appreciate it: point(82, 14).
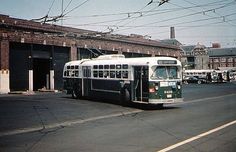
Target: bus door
point(141, 84)
point(86, 80)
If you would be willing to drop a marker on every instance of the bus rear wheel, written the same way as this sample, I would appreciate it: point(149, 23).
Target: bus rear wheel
point(76, 92)
point(125, 97)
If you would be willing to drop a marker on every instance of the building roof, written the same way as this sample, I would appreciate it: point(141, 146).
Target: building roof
point(188, 48)
point(8, 22)
point(215, 52)
point(171, 42)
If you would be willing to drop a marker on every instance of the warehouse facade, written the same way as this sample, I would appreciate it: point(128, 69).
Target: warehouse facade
point(32, 55)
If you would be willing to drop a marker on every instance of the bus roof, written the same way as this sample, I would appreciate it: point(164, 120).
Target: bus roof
point(122, 60)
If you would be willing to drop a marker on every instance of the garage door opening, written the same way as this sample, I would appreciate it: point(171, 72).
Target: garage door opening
point(41, 70)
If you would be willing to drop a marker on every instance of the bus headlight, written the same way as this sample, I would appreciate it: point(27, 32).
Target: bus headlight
point(151, 90)
point(156, 87)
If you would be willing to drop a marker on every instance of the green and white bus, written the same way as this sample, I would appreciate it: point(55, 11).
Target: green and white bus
point(148, 80)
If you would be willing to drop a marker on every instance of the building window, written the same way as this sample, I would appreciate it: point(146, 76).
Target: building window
point(230, 59)
point(216, 60)
point(222, 59)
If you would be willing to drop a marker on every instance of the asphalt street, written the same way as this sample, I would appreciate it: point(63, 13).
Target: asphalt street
point(206, 121)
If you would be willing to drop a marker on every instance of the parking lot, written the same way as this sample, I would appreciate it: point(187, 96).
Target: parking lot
point(56, 122)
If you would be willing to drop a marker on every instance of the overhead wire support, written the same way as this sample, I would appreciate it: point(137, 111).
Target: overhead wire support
point(129, 15)
point(45, 18)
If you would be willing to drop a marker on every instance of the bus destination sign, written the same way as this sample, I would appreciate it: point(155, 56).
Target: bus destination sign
point(167, 62)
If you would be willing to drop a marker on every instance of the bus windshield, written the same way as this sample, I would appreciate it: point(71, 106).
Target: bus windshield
point(165, 72)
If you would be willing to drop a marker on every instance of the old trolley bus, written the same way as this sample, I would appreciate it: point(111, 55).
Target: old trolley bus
point(150, 80)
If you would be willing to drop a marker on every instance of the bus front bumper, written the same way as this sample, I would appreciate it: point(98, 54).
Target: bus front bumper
point(165, 101)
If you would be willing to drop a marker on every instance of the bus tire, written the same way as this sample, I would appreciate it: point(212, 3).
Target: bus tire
point(160, 106)
point(76, 92)
point(199, 82)
point(125, 97)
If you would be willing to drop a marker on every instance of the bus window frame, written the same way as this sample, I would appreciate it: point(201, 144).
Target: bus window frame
point(178, 72)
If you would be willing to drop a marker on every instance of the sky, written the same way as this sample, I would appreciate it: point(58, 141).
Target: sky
point(195, 21)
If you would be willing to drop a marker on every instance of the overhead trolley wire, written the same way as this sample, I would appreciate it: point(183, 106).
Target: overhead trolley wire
point(50, 8)
point(76, 7)
point(195, 26)
point(124, 19)
point(136, 11)
point(174, 18)
point(67, 6)
point(210, 10)
point(145, 12)
point(114, 20)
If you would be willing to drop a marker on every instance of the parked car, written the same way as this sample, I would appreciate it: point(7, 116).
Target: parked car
point(193, 79)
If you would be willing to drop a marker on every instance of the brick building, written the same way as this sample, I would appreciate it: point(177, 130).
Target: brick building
point(222, 58)
point(202, 57)
point(32, 55)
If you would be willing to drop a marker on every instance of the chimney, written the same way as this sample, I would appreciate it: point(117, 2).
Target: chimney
point(216, 45)
point(172, 32)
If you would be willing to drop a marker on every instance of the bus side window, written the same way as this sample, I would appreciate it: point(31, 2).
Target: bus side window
point(112, 74)
point(106, 74)
point(106, 71)
point(76, 73)
point(100, 74)
point(76, 67)
point(118, 66)
point(64, 73)
point(95, 67)
point(118, 74)
point(125, 66)
point(100, 66)
point(72, 73)
point(106, 66)
point(125, 74)
point(95, 74)
point(112, 71)
point(118, 71)
point(112, 66)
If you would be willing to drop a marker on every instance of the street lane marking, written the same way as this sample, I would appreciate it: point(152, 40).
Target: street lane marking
point(66, 123)
point(197, 137)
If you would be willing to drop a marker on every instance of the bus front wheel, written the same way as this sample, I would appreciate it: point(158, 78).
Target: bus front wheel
point(199, 82)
